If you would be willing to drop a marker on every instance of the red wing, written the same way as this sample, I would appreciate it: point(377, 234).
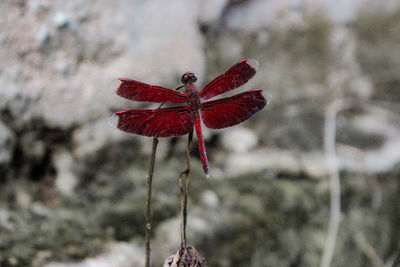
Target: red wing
point(144, 92)
point(234, 77)
point(232, 110)
point(164, 122)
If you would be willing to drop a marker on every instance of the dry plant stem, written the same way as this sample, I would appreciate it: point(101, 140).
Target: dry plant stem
point(334, 179)
point(367, 249)
point(148, 200)
point(148, 197)
point(184, 191)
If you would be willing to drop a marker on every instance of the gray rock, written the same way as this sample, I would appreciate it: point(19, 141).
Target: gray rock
point(42, 34)
point(7, 144)
point(345, 12)
point(60, 19)
point(66, 179)
point(211, 10)
point(33, 146)
point(312, 163)
point(239, 140)
point(34, 5)
point(23, 195)
point(138, 52)
point(62, 66)
point(120, 254)
point(210, 199)
point(257, 15)
point(93, 136)
point(5, 221)
point(256, 161)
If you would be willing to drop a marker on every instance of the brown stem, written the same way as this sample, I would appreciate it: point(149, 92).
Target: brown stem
point(184, 191)
point(148, 197)
point(148, 201)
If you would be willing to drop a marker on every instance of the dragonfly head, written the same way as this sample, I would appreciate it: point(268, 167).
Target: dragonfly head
point(188, 77)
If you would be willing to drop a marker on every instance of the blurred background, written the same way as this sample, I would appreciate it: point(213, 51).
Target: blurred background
point(72, 188)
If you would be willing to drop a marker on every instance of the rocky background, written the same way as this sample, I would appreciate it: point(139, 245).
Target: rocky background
point(72, 189)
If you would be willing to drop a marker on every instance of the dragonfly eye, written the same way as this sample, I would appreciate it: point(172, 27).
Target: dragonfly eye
point(188, 77)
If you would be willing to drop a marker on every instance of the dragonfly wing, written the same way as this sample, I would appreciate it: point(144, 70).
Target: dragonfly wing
point(138, 91)
point(232, 110)
point(234, 77)
point(164, 122)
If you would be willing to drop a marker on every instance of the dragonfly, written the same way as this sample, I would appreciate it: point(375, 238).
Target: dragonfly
point(180, 120)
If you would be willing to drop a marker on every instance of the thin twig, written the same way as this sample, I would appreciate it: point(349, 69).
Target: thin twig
point(148, 197)
point(367, 249)
point(184, 191)
point(148, 200)
point(333, 167)
point(334, 179)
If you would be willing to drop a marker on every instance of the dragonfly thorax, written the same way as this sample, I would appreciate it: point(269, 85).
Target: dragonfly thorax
point(193, 98)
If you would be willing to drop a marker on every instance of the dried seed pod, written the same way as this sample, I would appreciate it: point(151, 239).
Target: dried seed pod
point(185, 257)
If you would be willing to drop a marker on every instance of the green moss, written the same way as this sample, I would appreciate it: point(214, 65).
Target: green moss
point(264, 221)
point(270, 216)
point(304, 47)
point(283, 222)
point(102, 209)
point(64, 234)
point(309, 42)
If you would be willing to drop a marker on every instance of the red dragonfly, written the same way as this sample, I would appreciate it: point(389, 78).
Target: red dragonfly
point(176, 121)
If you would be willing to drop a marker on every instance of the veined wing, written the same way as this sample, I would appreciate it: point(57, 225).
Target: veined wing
point(138, 91)
point(232, 110)
point(234, 77)
point(164, 122)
